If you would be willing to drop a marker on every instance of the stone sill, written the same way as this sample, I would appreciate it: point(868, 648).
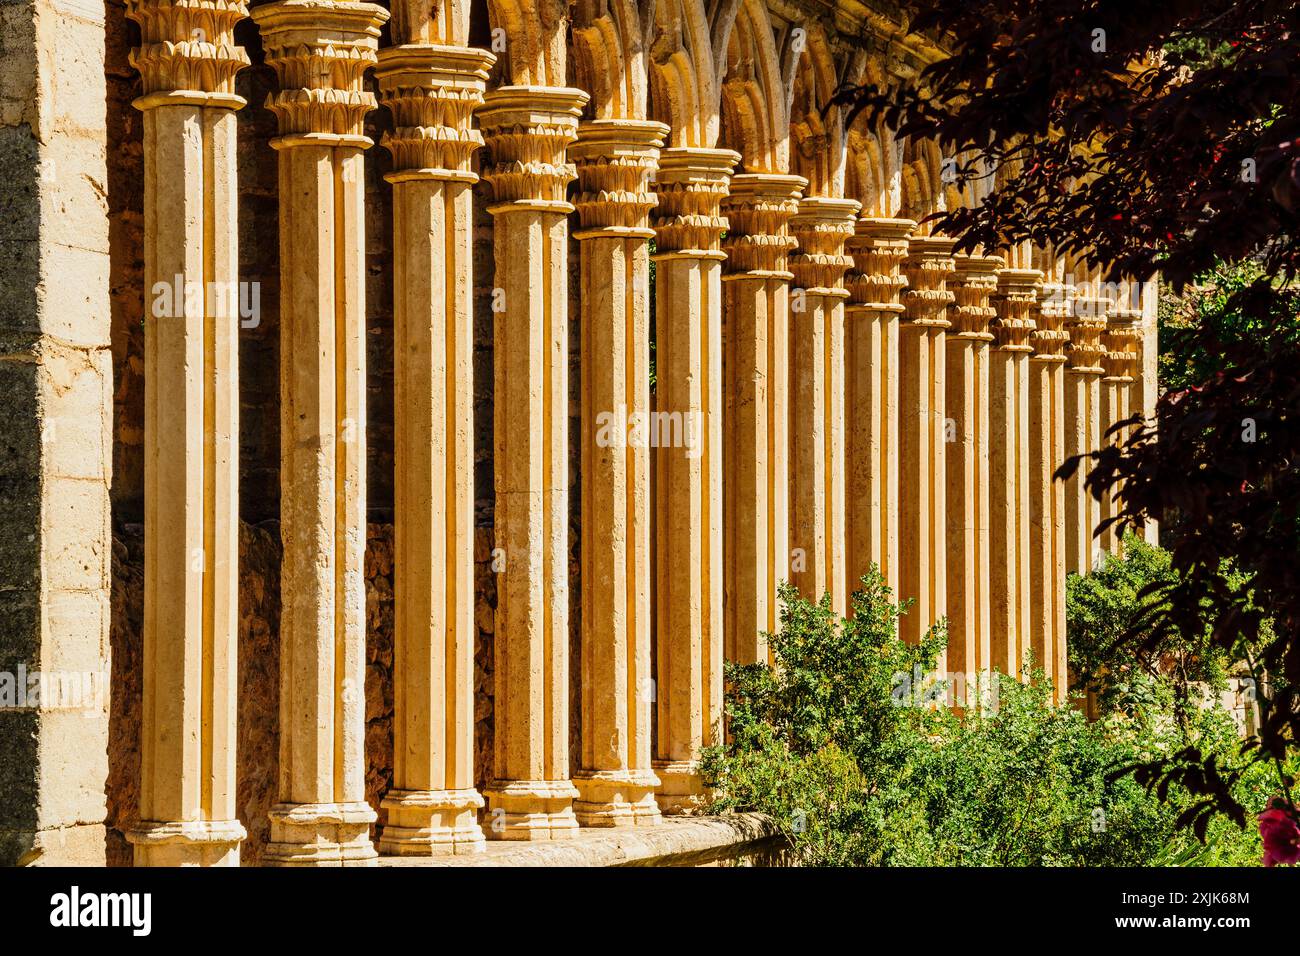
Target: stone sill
point(678, 841)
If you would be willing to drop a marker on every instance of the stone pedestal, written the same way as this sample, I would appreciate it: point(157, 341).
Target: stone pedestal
point(816, 382)
point(688, 483)
point(872, 314)
point(431, 92)
point(616, 160)
point(191, 462)
point(922, 414)
point(967, 491)
point(320, 52)
point(756, 443)
point(1009, 581)
point(528, 130)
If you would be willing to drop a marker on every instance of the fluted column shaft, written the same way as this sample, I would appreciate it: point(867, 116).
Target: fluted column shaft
point(320, 53)
point(922, 370)
point(191, 615)
point(816, 382)
point(431, 92)
point(967, 491)
point(528, 130)
point(872, 313)
point(616, 160)
point(688, 578)
point(756, 357)
point(1047, 495)
point(1083, 428)
point(1009, 580)
point(1122, 343)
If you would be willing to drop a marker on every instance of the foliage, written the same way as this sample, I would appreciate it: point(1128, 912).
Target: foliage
point(836, 744)
point(1142, 136)
point(1107, 605)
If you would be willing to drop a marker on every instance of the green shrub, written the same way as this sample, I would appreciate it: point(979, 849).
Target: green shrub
point(858, 770)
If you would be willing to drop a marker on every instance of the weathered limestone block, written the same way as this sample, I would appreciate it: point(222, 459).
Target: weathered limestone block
point(56, 379)
point(688, 525)
point(1009, 581)
point(816, 382)
point(615, 161)
point(320, 52)
point(922, 370)
point(528, 130)
point(872, 314)
point(967, 490)
point(756, 415)
point(431, 92)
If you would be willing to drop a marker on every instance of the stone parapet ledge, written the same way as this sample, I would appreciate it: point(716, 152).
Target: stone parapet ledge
point(677, 841)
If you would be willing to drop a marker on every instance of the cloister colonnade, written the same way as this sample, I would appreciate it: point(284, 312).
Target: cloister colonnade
point(832, 388)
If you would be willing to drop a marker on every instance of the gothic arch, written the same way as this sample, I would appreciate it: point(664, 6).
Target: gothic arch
point(683, 89)
point(922, 187)
point(755, 118)
point(817, 140)
point(535, 40)
point(609, 59)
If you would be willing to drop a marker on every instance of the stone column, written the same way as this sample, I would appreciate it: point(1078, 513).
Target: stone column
point(688, 465)
point(879, 247)
point(191, 600)
point(1083, 428)
point(922, 414)
point(320, 52)
point(816, 382)
point(1047, 495)
point(528, 130)
point(1009, 580)
point(755, 453)
point(431, 92)
point(616, 160)
point(1121, 341)
point(967, 491)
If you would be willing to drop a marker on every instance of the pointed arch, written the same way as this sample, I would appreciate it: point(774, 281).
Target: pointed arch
point(683, 89)
point(921, 183)
point(755, 118)
point(817, 135)
point(609, 57)
point(536, 40)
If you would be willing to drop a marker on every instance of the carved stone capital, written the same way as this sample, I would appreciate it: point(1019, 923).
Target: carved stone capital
point(1122, 341)
point(973, 284)
point(758, 209)
point(616, 161)
point(878, 248)
point(928, 265)
point(691, 184)
point(821, 227)
point(1085, 325)
point(528, 129)
point(1050, 337)
point(187, 51)
point(1015, 299)
point(432, 92)
point(320, 51)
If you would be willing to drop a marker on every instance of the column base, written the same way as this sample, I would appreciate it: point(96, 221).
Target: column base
point(188, 843)
point(616, 798)
point(682, 789)
point(530, 810)
point(432, 823)
point(320, 834)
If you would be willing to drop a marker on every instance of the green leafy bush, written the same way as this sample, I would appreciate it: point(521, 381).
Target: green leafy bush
point(859, 769)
